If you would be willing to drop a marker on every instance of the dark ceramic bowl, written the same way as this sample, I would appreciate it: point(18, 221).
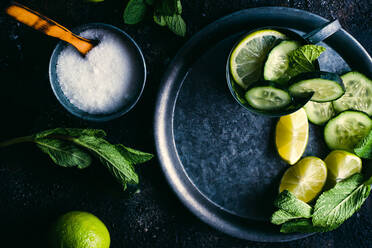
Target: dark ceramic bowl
point(138, 71)
point(313, 37)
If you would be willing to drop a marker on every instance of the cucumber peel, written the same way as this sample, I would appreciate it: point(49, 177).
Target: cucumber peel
point(364, 148)
point(326, 86)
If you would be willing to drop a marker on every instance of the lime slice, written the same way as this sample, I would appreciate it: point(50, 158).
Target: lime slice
point(249, 55)
point(77, 229)
point(305, 179)
point(291, 136)
point(341, 165)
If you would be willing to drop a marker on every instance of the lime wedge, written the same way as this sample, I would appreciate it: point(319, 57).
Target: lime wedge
point(305, 179)
point(249, 55)
point(291, 136)
point(341, 165)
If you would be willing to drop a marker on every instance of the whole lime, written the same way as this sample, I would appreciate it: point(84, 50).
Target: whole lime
point(77, 229)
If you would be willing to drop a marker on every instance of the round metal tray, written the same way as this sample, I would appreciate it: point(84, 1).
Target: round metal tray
point(219, 158)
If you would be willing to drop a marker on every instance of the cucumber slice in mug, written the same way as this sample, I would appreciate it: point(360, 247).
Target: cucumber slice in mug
point(319, 113)
point(358, 95)
point(326, 86)
point(268, 97)
point(277, 61)
point(346, 130)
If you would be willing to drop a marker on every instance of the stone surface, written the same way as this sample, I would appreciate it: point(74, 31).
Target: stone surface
point(34, 192)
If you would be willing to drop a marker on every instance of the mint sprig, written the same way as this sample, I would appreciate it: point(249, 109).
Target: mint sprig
point(135, 11)
point(302, 59)
point(332, 208)
point(302, 226)
point(338, 204)
point(69, 147)
point(290, 208)
point(364, 148)
point(165, 13)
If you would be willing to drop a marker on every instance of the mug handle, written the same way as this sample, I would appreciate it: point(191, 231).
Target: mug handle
point(323, 32)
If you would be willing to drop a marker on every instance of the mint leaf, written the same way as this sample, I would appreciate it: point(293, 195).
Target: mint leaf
point(133, 156)
point(135, 11)
point(302, 226)
point(176, 24)
point(168, 13)
point(118, 159)
point(302, 59)
point(64, 153)
point(118, 165)
point(364, 148)
point(290, 204)
point(279, 217)
point(73, 132)
point(178, 7)
point(368, 182)
point(338, 204)
point(69, 147)
point(159, 19)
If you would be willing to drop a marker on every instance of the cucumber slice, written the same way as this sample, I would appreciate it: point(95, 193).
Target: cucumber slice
point(346, 130)
point(326, 86)
point(277, 61)
point(268, 98)
point(358, 95)
point(319, 113)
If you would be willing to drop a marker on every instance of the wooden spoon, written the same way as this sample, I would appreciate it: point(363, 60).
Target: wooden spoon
point(49, 27)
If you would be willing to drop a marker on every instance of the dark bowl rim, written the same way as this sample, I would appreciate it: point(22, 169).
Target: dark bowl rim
point(55, 83)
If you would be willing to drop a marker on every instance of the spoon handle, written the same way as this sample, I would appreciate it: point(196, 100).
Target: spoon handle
point(49, 27)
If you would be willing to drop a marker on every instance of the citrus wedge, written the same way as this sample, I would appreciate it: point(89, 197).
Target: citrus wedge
point(305, 179)
point(249, 55)
point(341, 165)
point(292, 134)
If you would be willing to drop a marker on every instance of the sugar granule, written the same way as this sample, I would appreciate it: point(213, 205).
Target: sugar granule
point(99, 82)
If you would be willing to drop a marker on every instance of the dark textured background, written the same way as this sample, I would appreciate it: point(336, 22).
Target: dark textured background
point(34, 192)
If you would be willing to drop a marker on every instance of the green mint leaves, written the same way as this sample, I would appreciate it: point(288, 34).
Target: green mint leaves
point(135, 11)
point(302, 59)
point(176, 24)
point(69, 147)
point(364, 148)
point(332, 208)
point(280, 216)
point(338, 204)
point(289, 208)
point(289, 203)
point(165, 13)
point(368, 182)
point(302, 226)
point(64, 153)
